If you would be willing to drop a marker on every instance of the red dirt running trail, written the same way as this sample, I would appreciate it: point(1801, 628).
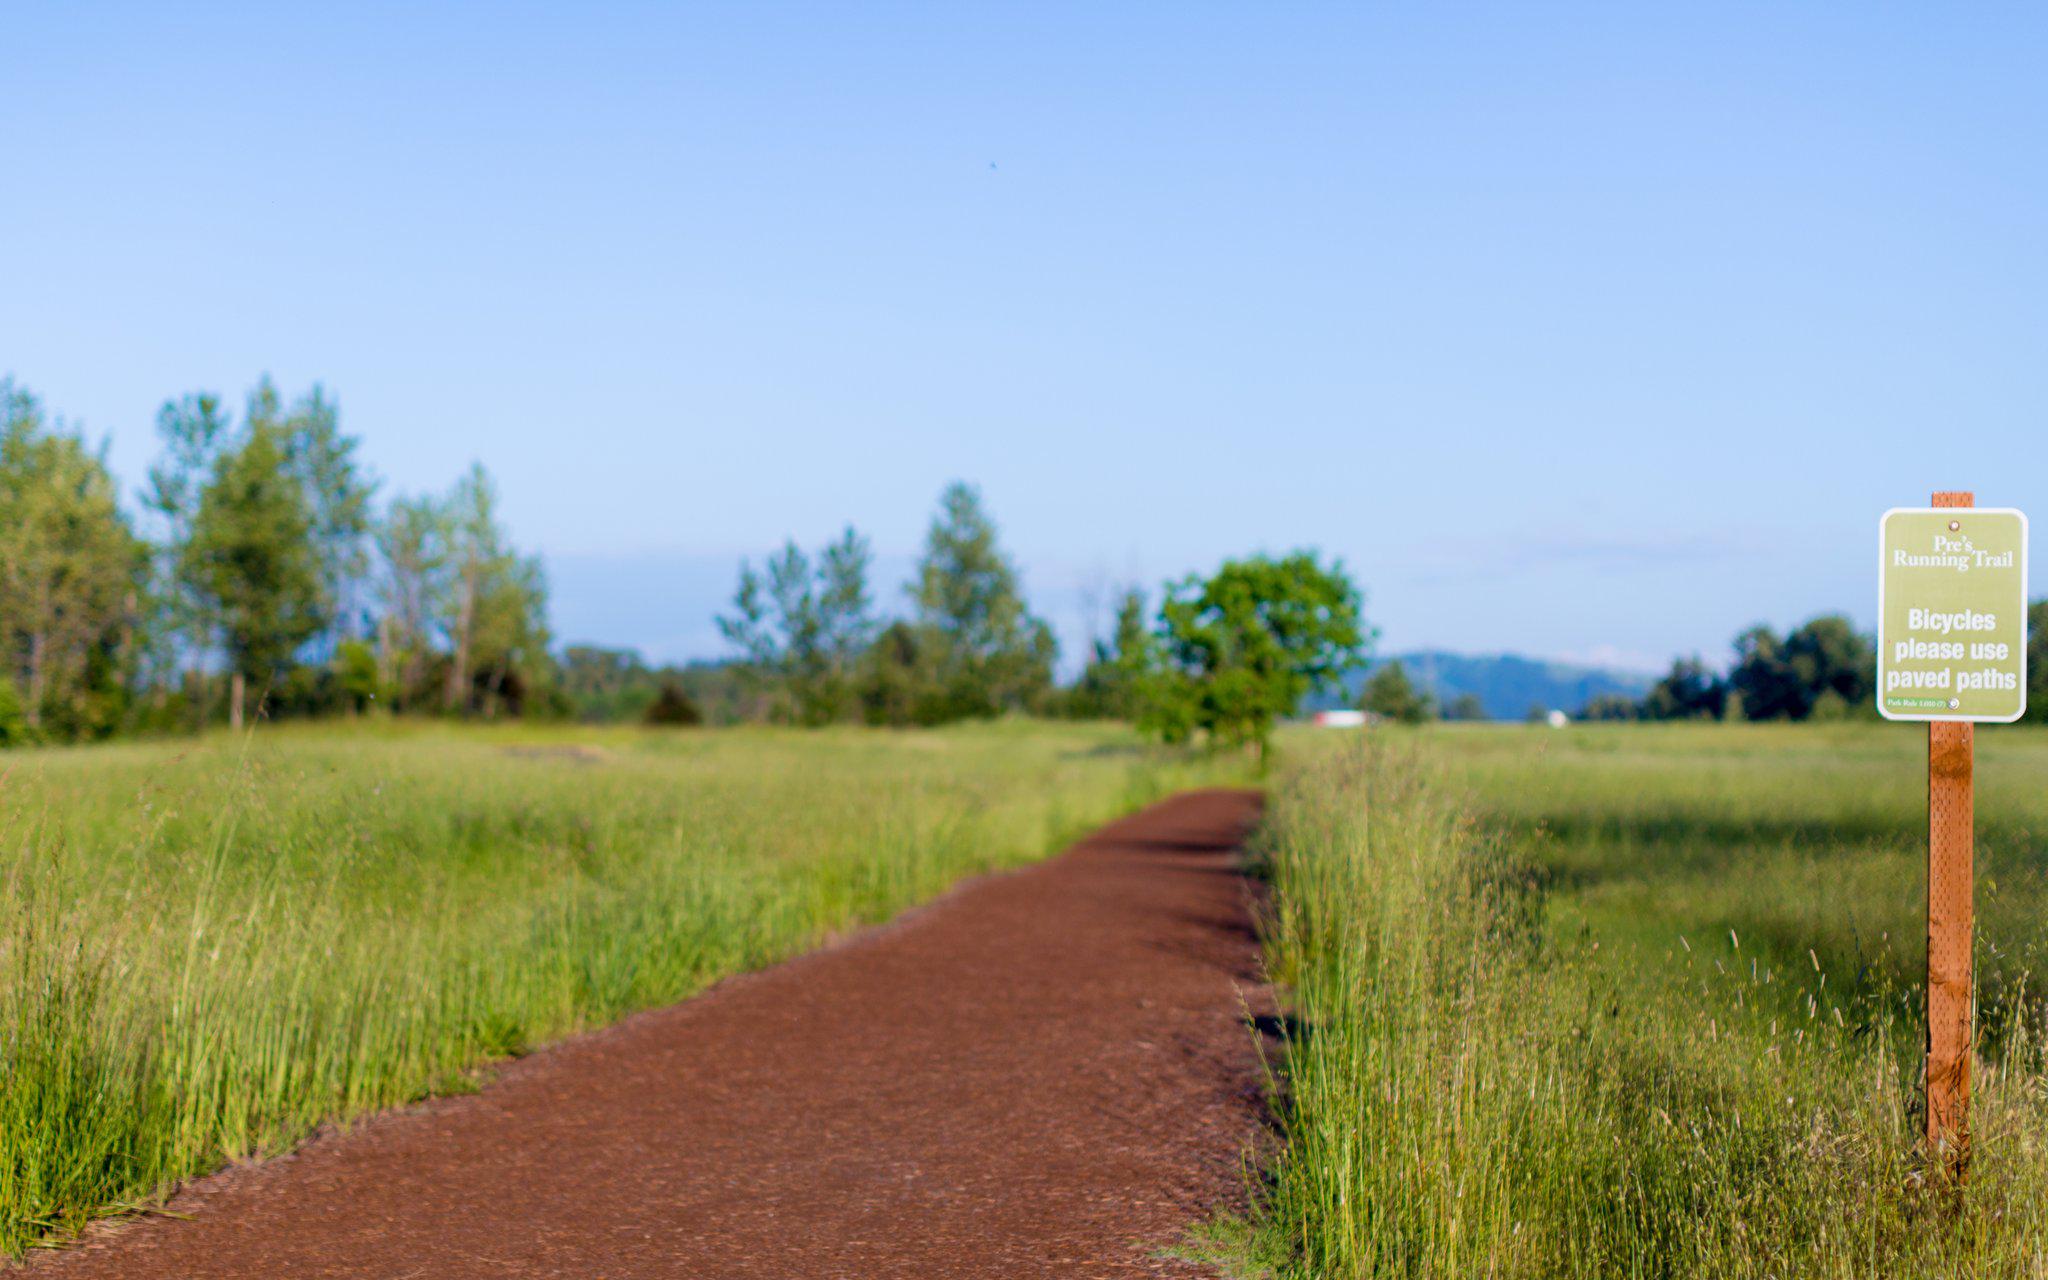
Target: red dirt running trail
point(1043, 1074)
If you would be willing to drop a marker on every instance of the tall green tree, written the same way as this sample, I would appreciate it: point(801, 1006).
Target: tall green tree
point(752, 628)
point(802, 625)
point(71, 575)
point(493, 605)
point(846, 608)
point(193, 430)
point(509, 646)
point(413, 542)
point(988, 654)
point(338, 494)
point(1835, 665)
point(1466, 706)
point(1391, 695)
point(1112, 685)
point(1763, 679)
point(2037, 661)
point(608, 685)
point(471, 524)
point(1244, 646)
point(311, 452)
point(1689, 691)
point(897, 683)
point(251, 562)
point(1826, 665)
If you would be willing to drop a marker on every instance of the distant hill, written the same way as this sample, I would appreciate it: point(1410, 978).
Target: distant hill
point(1507, 684)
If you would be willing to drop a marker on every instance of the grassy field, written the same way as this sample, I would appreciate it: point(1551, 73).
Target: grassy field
point(211, 947)
point(1643, 1001)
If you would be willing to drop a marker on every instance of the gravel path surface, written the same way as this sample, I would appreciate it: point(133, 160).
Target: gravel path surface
point(1046, 1073)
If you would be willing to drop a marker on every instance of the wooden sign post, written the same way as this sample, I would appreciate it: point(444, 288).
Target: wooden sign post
point(1952, 645)
point(1951, 919)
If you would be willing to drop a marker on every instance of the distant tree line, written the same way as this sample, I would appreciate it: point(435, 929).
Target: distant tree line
point(1390, 694)
point(261, 576)
point(610, 686)
point(1825, 669)
point(813, 647)
point(1223, 658)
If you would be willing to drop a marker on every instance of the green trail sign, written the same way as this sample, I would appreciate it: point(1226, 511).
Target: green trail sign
point(1952, 614)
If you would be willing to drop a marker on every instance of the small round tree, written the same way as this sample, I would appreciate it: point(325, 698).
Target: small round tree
point(1391, 695)
point(1244, 646)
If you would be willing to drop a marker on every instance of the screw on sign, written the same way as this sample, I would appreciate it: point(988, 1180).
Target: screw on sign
point(1952, 651)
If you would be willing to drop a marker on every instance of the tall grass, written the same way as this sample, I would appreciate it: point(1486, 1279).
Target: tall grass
point(209, 949)
point(1534, 1042)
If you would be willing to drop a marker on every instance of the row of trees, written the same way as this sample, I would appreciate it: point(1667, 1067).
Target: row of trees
point(1225, 656)
point(1825, 669)
point(260, 573)
point(814, 649)
point(1391, 695)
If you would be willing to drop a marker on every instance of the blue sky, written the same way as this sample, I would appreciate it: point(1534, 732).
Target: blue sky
point(1589, 331)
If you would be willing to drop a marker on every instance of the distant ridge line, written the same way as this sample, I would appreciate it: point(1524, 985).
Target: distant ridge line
point(1508, 685)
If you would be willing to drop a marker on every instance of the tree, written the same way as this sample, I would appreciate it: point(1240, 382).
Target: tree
point(1833, 662)
point(673, 707)
point(413, 540)
point(492, 606)
point(338, 495)
point(71, 573)
point(618, 686)
point(896, 683)
point(509, 647)
point(607, 684)
point(1245, 646)
point(846, 621)
point(1689, 691)
point(194, 430)
point(1826, 658)
point(1611, 706)
point(1466, 706)
point(1112, 685)
point(988, 654)
point(14, 730)
point(802, 627)
point(310, 452)
point(1763, 679)
point(260, 572)
point(1391, 695)
point(251, 561)
point(358, 676)
point(469, 522)
point(2037, 661)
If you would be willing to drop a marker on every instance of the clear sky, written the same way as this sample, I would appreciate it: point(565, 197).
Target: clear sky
point(1591, 331)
